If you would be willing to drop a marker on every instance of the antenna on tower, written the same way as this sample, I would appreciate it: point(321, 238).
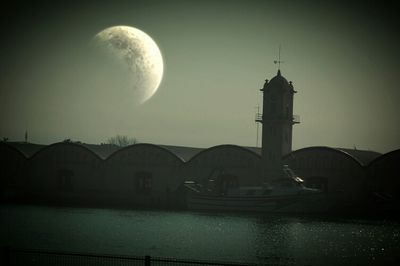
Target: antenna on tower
point(279, 59)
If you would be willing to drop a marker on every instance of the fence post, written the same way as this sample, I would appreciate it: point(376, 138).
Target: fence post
point(7, 255)
point(147, 260)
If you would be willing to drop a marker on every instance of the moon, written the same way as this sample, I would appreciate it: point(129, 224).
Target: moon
point(136, 55)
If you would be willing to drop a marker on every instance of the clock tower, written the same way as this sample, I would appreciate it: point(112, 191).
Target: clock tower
point(277, 124)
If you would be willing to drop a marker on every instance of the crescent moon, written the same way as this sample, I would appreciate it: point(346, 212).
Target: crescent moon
point(138, 55)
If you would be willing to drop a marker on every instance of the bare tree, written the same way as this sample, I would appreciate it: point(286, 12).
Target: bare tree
point(121, 141)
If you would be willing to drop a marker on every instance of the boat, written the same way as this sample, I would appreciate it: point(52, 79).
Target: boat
point(285, 194)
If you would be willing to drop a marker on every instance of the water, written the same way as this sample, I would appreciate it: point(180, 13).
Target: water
point(205, 236)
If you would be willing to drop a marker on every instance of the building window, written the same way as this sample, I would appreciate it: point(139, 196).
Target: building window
point(143, 182)
point(65, 179)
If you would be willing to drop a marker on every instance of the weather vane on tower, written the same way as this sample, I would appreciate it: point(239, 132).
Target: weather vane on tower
point(279, 59)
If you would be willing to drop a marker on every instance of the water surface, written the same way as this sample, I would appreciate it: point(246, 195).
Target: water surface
point(206, 236)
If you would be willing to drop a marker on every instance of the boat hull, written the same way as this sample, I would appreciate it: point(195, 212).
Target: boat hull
point(288, 203)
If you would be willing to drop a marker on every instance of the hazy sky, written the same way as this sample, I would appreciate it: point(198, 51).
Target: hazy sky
point(343, 60)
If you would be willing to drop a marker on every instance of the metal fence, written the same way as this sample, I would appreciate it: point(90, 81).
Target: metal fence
point(25, 257)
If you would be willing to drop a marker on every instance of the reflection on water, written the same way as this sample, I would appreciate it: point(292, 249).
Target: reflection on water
point(250, 238)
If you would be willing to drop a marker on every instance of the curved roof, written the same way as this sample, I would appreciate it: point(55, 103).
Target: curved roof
point(256, 150)
point(102, 150)
point(231, 146)
point(340, 151)
point(136, 146)
point(365, 157)
point(26, 148)
point(185, 153)
point(80, 146)
point(13, 148)
point(384, 157)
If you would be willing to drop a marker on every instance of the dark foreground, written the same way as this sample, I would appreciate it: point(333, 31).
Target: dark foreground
point(13, 256)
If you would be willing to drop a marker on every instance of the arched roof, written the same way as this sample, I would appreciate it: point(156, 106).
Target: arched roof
point(339, 151)
point(26, 148)
point(102, 150)
point(365, 157)
point(13, 148)
point(384, 157)
point(140, 145)
point(223, 146)
point(80, 146)
point(186, 153)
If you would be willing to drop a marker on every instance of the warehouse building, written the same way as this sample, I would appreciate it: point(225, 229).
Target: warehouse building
point(153, 175)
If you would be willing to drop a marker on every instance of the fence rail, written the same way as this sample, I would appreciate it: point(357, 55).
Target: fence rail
point(28, 257)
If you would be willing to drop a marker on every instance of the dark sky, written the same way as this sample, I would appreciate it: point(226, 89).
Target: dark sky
point(342, 58)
